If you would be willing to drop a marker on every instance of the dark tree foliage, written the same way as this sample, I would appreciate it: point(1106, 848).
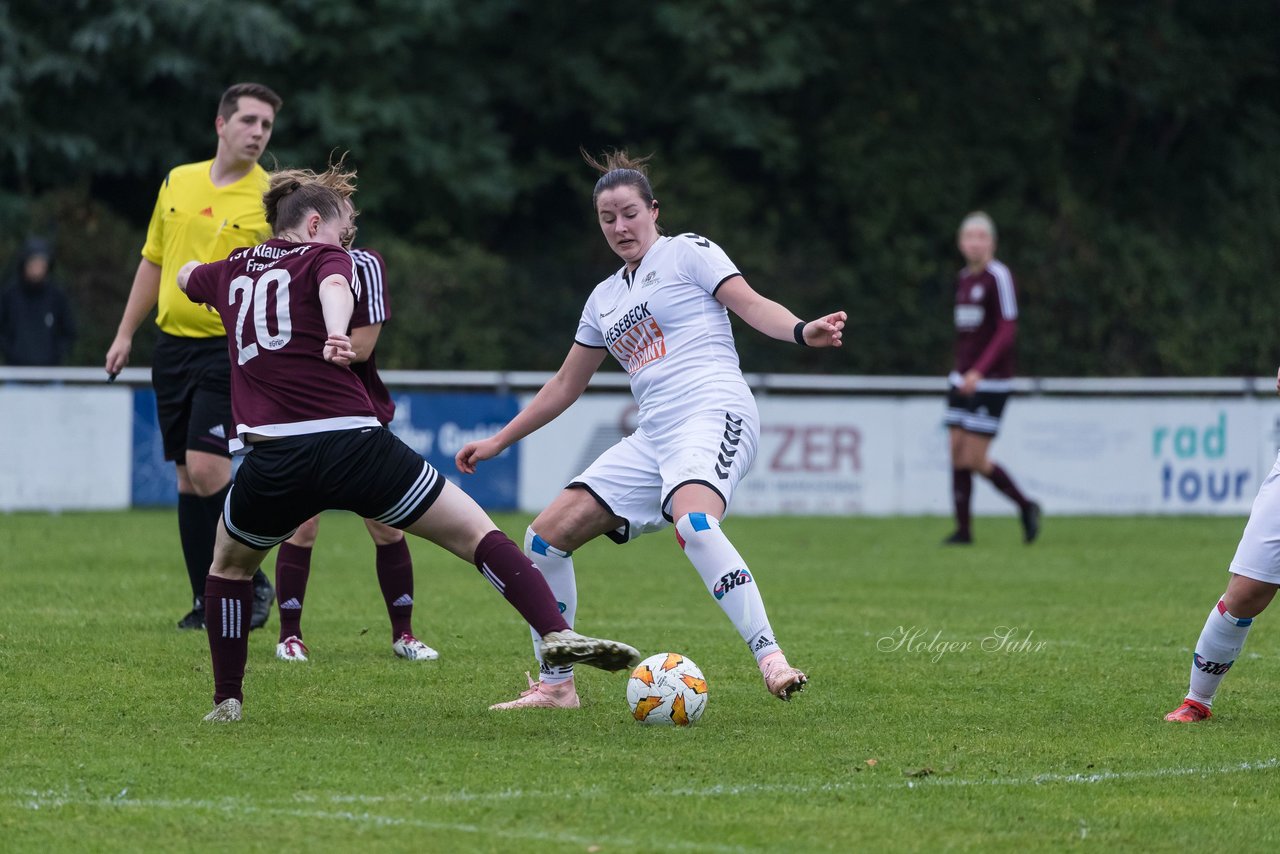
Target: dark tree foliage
point(1127, 151)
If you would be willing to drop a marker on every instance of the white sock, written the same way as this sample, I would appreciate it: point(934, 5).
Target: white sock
point(557, 569)
point(727, 578)
point(1219, 646)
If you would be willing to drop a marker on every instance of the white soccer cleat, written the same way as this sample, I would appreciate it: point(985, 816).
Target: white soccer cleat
point(407, 646)
point(225, 712)
point(569, 647)
point(292, 649)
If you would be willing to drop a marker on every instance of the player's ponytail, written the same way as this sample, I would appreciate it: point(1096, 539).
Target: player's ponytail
point(291, 193)
point(620, 169)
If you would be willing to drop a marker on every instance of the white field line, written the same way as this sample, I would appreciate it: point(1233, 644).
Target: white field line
point(1012, 782)
point(34, 800)
point(41, 801)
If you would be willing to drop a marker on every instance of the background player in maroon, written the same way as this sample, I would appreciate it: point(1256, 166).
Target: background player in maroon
point(314, 439)
point(393, 561)
point(986, 318)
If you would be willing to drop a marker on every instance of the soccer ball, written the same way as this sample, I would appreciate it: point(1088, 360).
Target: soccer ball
point(668, 689)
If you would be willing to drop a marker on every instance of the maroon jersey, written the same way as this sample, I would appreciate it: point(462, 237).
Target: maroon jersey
point(986, 325)
point(268, 299)
point(372, 306)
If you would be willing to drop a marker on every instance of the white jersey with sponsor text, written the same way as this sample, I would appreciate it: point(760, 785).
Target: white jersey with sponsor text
point(665, 327)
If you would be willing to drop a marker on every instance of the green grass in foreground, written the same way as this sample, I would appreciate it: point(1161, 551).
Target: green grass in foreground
point(1049, 747)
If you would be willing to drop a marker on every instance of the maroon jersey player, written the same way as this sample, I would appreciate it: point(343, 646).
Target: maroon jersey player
point(372, 310)
point(392, 559)
point(312, 436)
point(986, 317)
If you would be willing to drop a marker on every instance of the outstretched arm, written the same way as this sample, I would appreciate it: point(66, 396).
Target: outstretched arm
point(776, 320)
point(552, 399)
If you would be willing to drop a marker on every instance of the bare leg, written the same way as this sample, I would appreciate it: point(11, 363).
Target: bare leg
point(1247, 597)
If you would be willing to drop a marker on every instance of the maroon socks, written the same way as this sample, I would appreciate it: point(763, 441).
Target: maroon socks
point(293, 568)
point(395, 577)
point(962, 495)
point(227, 606)
point(1000, 480)
point(519, 581)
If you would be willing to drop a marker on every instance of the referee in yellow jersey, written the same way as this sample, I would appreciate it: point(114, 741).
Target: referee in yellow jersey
point(204, 212)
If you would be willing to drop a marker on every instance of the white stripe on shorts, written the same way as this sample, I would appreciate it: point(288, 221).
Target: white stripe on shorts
point(981, 425)
point(425, 483)
point(253, 540)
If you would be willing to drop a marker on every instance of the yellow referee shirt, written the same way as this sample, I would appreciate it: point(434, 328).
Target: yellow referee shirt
point(196, 221)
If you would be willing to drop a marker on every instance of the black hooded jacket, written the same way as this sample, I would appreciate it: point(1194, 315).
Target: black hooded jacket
point(36, 325)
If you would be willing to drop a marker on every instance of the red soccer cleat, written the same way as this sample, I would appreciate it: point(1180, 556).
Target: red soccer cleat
point(1189, 712)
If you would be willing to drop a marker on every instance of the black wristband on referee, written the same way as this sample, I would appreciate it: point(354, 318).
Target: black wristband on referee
point(799, 333)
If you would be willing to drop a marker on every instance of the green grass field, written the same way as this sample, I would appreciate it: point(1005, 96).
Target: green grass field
point(1054, 746)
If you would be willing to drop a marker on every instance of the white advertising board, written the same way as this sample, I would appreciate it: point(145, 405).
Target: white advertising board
point(65, 448)
point(823, 455)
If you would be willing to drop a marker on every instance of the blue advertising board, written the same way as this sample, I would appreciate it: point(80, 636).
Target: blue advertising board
point(435, 424)
point(438, 424)
point(155, 481)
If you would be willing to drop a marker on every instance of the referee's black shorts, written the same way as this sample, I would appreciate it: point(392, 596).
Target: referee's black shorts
point(284, 482)
point(192, 381)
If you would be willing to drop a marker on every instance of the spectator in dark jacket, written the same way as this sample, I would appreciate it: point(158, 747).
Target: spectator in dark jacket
point(36, 326)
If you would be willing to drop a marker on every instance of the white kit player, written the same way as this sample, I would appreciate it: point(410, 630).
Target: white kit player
point(1255, 578)
point(663, 317)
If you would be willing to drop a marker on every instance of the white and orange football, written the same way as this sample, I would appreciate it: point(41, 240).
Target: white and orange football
point(667, 689)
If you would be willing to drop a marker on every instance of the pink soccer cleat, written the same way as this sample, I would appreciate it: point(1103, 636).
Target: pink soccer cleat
point(1189, 712)
point(541, 695)
point(781, 678)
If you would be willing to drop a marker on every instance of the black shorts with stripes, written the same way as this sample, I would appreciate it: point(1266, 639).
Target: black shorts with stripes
point(975, 413)
point(284, 482)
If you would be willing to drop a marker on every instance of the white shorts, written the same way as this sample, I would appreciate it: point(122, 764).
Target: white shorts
point(636, 478)
point(1258, 555)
